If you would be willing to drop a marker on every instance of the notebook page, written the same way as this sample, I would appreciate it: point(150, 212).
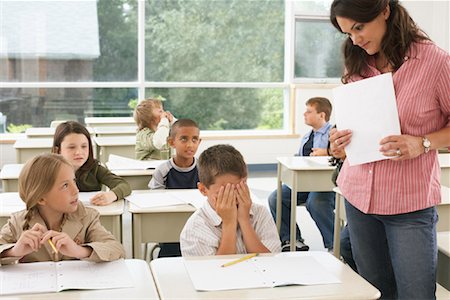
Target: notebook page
point(150, 200)
point(76, 274)
point(27, 278)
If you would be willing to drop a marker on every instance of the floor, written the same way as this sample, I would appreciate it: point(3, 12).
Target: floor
point(261, 184)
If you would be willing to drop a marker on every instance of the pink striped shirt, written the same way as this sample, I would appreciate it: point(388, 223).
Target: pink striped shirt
point(422, 88)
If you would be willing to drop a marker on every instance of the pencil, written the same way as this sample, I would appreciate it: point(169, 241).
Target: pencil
point(53, 246)
point(240, 259)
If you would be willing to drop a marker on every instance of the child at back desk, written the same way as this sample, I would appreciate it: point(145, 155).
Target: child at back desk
point(73, 141)
point(53, 213)
point(153, 129)
point(229, 222)
point(180, 172)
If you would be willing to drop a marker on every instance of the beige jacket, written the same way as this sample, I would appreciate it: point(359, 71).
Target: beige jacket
point(83, 226)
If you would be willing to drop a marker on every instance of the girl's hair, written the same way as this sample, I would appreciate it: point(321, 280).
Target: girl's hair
point(143, 114)
point(401, 32)
point(37, 178)
point(67, 128)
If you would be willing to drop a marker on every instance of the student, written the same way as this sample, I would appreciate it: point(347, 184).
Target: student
point(229, 222)
point(54, 213)
point(319, 204)
point(153, 129)
point(72, 140)
point(180, 172)
point(391, 203)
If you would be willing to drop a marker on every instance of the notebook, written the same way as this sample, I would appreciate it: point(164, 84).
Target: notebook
point(116, 162)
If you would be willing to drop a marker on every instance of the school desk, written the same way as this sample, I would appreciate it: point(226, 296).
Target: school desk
point(109, 121)
point(144, 287)
point(168, 272)
point(443, 210)
point(10, 177)
point(159, 224)
point(45, 132)
point(119, 145)
point(115, 131)
point(28, 148)
point(110, 215)
point(443, 271)
point(444, 162)
point(302, 174)
point(138, 179)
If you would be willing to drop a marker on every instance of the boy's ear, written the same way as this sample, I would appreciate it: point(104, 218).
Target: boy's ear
point(170, 141)
point(202, 188)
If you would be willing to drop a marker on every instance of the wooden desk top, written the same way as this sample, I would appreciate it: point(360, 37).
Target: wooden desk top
point(11, 171)
point(306, 162)
point(33, 143)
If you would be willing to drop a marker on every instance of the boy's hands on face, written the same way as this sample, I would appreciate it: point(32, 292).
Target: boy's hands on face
point(244, 201)
point(225, 204)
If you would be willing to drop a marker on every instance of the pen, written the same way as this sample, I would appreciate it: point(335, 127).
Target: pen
point(240, 259)
point(53, 246)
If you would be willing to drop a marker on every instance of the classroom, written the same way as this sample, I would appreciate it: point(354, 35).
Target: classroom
point(246, 72)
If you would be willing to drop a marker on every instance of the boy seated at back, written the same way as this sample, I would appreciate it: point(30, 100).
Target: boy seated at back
point(180, 172)
point(228, 223)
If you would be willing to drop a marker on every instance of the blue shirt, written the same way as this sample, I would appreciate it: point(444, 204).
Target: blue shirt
point(321, 137)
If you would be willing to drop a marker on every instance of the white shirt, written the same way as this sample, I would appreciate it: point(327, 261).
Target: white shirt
point(203, 231)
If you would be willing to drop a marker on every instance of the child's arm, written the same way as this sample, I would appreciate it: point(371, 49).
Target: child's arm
point(158, 177)
point(225, 206)
point(119, 187)
point(159, 138)
point(27, 243)
point(253, 243)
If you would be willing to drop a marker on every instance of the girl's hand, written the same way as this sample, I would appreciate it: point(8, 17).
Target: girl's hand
point(244, 201)
point(29, 241)
point(103, 198)
point(66, 245)
point(401, 147)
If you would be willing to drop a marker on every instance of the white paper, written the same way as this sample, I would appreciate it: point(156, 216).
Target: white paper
point(167, 198)
point(367, 107)
point(40, 277)
point(116, 162)
point(258, 272)
point(86, 196)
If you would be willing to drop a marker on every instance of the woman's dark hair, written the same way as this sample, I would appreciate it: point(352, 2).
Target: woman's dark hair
point(401, 32)
point(67, 128)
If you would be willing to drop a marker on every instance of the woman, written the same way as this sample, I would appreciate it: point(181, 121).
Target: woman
point(391, 203)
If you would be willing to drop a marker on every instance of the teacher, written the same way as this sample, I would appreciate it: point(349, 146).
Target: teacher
point(391, 203)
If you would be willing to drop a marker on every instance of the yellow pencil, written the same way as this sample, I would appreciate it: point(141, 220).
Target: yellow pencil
point(240, 259)
point(53, 246)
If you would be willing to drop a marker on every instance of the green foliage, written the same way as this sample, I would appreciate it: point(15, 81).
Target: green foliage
point(133, 103)
point(18, 128)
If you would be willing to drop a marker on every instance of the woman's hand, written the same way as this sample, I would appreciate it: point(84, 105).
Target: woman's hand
point(103, 198)
point(401, 147)
point(66, 245)
point(339, 139)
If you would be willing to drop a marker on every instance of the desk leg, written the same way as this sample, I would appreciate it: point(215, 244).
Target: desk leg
point(137, 236)
point(337, 226)
point(117, 227)
point(294, 192)
point(278, 210)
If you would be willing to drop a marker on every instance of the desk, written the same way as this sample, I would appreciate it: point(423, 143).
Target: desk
point(115, 131)
point(29, 148)
point(46, 132)
point(167, 271)
point(138, 179)
point(123, 146)
point(443, 270)
point(444, 162)
point(302, 174)
point(144, 287)
point(109, 121)
point(159, 224)
point(443, 210)
point(110, 215)
point(10, 177)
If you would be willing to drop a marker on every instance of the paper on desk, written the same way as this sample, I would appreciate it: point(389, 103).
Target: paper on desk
point(167, 198)
point(116, 162)
point(86, 196)
point(367, 107)
point(258, 272)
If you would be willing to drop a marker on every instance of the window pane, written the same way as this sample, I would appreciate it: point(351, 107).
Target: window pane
point(317, 49)
point(312, 7)
point(225, 109)
point(38, 107)
point(199, 40)
point(68, 40)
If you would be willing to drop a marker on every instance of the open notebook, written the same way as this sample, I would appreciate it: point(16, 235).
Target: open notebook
point(258, 272)
point(45, 277)
point(116, 162)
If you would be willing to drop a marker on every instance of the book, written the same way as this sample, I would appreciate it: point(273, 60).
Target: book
point(167, 198)
point(258, 272)
point(116, 162)
point(45, 277)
